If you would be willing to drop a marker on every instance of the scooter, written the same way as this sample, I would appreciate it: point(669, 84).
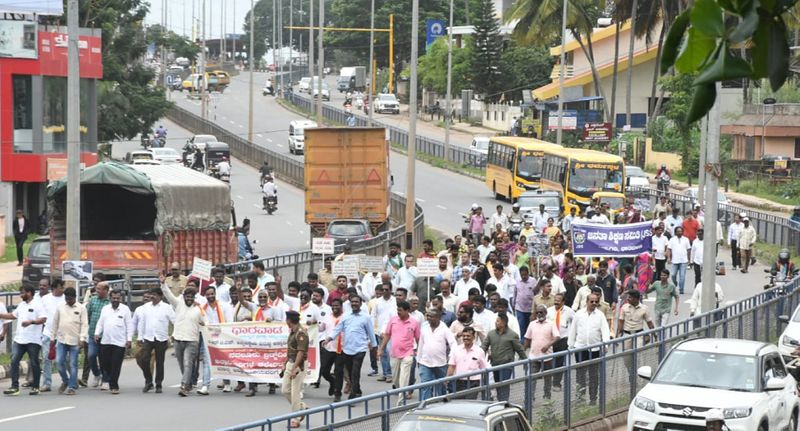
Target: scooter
point(663, 183)
point(515, 227)
point(225, 177)
point(270, 204)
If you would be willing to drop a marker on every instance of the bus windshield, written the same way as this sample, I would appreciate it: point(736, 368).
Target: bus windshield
point(529, 165)
point(587, 180)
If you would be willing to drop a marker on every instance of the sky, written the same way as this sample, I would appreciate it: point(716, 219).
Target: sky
point(179, 15)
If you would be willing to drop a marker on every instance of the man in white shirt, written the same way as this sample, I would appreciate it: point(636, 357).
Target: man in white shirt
point(540, 219)
point(309, 312)
point(153, 336)
point(734, 230)
point(223, 289)
point(498, 218)
point(215, 312)
point(406, 275)
point(555, 281)
point(463, 285)
point(696, 301)
point(50, 302)
point(566, 222)
point(70, 330)
point(485, 248)
point(262, 277)
point(30, 316)
point(504, 283)
point(317, 295)
point(186, 333)
point(697, 256)
point(659, 249)
point(561, 316)
point(393, 261)
point(114, 332)
point(368, 283)
point(385, 308)
point(482, 315)
point(589, 328)
point(678, 252)
point(674, 220)
point(449, 301)
point(435, 341)
point(599, 218)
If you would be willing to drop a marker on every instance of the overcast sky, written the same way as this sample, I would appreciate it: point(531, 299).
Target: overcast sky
point(179, 15)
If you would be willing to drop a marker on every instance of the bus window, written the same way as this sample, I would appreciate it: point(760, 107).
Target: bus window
point(529, 165)
point(586, 181)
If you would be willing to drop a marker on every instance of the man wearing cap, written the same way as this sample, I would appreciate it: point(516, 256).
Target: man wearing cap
point(294, 373)
point(177, 282)
point(734, 230)
point(747, 239)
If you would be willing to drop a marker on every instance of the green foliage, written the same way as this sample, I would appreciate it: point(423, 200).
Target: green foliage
point(433, 67)
point(523, 68)
point(263, 25)
point(711, 52)
point(487, 46)
point(180, 45)
point(789, 93)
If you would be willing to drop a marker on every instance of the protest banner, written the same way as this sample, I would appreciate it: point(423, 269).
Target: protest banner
point(255, 352)
point(625, 240)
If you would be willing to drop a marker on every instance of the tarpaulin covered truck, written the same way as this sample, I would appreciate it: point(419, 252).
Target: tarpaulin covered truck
point(137, 220)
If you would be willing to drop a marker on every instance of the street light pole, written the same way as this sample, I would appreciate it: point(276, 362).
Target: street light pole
point(73, 135)
point(371, 60)
point(250, 61)
point(280, 39)
point(291, 41)
point(311, 38)
point(561, 72)
point(710, 239)
point(321, 63)
point(412, 127)
point(202, 80)
point(448, 106)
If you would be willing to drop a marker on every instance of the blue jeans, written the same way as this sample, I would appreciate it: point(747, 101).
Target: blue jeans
point(47, 365)
point(386, 365)
point(33, 351)
point(427, 374)
point(501, 376)
point(68, 377)
point(679, 275)
point(524, 319)
point(202, 356)
point(94, 352)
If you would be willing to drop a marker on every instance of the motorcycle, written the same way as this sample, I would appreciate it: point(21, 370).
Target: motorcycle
point(264, 178)
point(515, 223)
point(663, 183)
point(146, 141)
point(270, 204)
point(158, 142)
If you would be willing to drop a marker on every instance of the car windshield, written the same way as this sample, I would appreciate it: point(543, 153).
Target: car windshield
point(529, 166)
point(709, 370)
point(347, 229)
point(438, 423)
point(481, 143)
point(586, 181)
point(634, 171)
point(142, 156)
point(387, 98)
point(535, 201)
point(39, 249)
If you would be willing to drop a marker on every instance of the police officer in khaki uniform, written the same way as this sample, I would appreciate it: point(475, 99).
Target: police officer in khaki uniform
point(293, 374)
point(632, 319)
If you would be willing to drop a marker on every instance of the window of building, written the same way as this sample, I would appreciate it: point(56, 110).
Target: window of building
point(23, 113)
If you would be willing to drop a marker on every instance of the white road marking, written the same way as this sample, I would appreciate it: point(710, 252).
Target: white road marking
point(29, 415)
point(269, 140)
point(302, 233)
point(241, 127)
point(232, 122)
point(441, 207)
point(420, 200)
point(259, 135)
point(288, 222)
point(280, 145)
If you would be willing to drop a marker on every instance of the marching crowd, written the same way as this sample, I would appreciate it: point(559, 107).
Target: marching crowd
point(491, 303)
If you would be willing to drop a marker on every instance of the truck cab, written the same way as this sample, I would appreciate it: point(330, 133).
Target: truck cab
point(297, 135)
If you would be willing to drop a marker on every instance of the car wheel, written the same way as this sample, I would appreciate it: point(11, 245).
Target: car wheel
point(793, 421)
point(762, 427)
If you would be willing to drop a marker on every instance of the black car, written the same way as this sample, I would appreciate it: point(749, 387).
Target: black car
point(442, 414)
point(348, 230)
point(37, 264)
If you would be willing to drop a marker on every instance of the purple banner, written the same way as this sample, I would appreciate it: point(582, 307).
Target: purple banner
point(625, 240)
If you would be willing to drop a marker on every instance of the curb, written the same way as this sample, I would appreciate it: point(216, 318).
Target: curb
point(5, 370)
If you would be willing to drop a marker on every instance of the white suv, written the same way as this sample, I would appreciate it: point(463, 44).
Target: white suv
point(387, 103)
point(747, 380)
point(297, 138)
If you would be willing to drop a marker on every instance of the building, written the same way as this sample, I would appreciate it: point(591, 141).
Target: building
point(33, 109)
point(579, 83)
point(765, 130)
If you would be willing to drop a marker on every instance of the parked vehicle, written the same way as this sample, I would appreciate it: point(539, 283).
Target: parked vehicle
point(133, 156)
point(297, 135)
point(480, 145)
point(747, 380)
point(167, 156)
point(636, 177)
point(790, 335)
point(348, 230)
point(305, 84)
point(36, 265)
point(326, 94)
point(443, 414)
point(386, 103)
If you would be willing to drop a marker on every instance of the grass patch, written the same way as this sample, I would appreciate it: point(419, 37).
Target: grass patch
point(10, 254)
point(766, 253)
point(440, 163)
point(764, 190)
point(5, 359)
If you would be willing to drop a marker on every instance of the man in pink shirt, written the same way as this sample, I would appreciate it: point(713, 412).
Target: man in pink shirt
point(467, 358)
point(403, 332)
point(541, 336)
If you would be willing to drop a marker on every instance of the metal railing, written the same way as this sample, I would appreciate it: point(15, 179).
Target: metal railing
point(429, 146)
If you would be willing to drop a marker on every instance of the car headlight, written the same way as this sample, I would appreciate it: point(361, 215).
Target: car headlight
point(737, 412)
point(645, 404)
point(789, 341)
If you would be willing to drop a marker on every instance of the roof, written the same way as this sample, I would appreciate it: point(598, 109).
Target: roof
point(768, 120)
point(467, 409)
point(725, 346)
point(603, 70)
point(597, 35)
point(525, 143)
point(106, 173)
point(581, 154)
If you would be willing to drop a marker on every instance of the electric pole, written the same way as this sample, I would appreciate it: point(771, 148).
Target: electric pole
point(412, 127)
point(251, 61)
point(321, 63)
point(713, 170)
point(73, 135)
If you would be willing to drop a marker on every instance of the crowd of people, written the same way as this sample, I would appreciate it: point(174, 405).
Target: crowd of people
point(492, 302)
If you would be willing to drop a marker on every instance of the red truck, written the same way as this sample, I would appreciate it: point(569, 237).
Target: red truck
point(138, 219)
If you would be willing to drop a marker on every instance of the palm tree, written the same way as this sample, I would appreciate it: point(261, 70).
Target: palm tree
point(540, 23)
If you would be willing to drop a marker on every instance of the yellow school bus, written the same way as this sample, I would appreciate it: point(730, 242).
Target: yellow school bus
point(514, 165)
point(583, 175)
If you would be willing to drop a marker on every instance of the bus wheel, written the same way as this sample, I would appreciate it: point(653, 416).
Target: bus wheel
point(497, 196)
point(510, 196)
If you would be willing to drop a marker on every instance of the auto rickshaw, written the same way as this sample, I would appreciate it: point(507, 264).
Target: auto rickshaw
point(213, 154)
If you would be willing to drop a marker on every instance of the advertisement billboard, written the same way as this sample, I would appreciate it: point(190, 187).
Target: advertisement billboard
point(18, 39)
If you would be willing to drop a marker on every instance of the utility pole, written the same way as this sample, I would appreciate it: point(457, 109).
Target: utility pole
point(371, 60)
point(701, 174)
point(233, 57)
point(280, 39)
point(708, 298)
point(251, 61)
point(311, 39)
point(448, 103)
point(561, 72)
point(321, 63)
point(203, 101)
point(291, 41)
point(73, 135)
point(164, 50)
point(412, 127)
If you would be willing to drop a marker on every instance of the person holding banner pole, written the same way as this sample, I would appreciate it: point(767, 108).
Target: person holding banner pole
point(294, 372)
point(359, 337)
point(186, 332)
point(215, 312)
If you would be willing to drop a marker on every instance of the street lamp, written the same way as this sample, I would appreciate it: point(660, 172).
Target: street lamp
point(447, 118)
point(764, 103)
point(412, 127)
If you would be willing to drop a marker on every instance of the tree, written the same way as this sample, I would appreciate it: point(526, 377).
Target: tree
point(524, 68)
point(486, 51)
point(127, 102)
point(433, 67)
point(677, 111)
point(180, 45)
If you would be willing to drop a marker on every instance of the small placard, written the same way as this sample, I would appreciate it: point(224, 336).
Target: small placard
point(348, 268)
point(427, 267)
point(322, 245)
point(201, 269)
point(371, 263)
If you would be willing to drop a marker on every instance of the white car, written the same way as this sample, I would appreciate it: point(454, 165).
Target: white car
point(297, 138)
point(747, 380)
point(721, 198)
point(386, 103)
point(199, 141)
point(790, 335)
point(326, 94)
point(167, 156)
point(305, 84)
point(480, 145)
point(636, 177)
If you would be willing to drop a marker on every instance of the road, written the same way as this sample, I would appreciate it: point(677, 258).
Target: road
point(282, 232)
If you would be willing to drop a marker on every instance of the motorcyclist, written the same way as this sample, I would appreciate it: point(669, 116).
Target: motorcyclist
point(663, 170)
point(161, 132)
point(515, 221)
point(269, 190)
point(197, 161)
point(663, 177)
point(245, 249)
point(348, 101)
point(351, 120)
point(224, 167)
point(784, 266)
point(265, 171)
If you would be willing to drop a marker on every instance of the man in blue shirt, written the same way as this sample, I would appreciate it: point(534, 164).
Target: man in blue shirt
point(359, 337)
